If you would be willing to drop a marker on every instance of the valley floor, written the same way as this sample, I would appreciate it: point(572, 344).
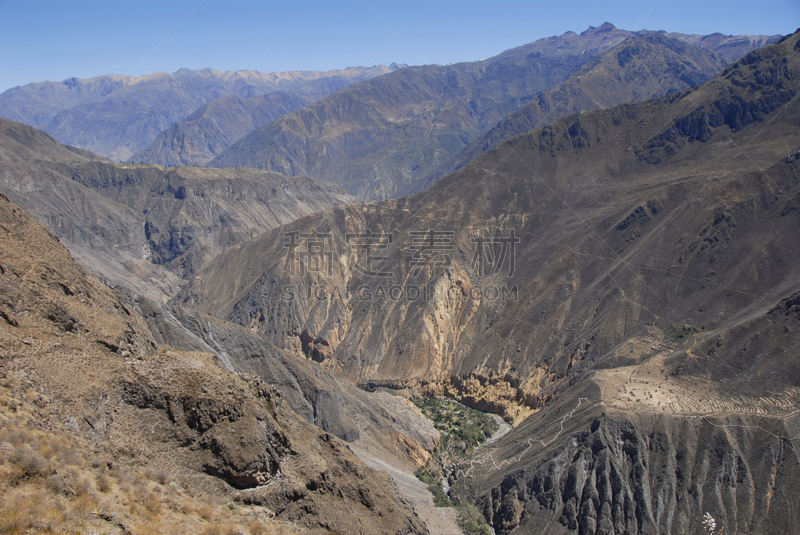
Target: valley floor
point(440, 520)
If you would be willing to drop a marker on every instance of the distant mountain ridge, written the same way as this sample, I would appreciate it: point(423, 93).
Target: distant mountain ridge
point(641, 67)
point(215, 126)
point(375, 137)
point(117, 115)
point(729, 47)
point(378, 138)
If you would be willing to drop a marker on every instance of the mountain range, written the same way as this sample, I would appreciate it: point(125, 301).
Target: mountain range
point(379, 138)
point(592, 236)
point(639, 68)
point(117, 115)
point(646, 318)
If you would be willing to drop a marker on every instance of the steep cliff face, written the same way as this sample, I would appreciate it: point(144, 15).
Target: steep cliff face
point(633, 261)
point(78, 362)
point(189, 214)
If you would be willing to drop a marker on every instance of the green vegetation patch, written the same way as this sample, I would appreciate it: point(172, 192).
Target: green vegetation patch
point(462, 428)
point(681, 333)
point(440, 499)
point(472, 522)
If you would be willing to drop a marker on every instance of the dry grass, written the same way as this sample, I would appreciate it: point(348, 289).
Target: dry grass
point(105, 483)
point(206, 513)
point(49, 485)
point(159, 476)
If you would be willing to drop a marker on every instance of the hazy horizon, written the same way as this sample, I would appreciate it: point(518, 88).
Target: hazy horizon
point(53, 41)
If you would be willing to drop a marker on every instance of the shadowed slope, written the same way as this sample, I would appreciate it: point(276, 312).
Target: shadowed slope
point(639, 68)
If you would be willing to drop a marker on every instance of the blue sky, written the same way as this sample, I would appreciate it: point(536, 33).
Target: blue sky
point(54, 40)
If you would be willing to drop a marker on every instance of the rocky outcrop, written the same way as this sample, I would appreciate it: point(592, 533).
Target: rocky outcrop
point(762, 78)
point(623, 473)
point(237, 427)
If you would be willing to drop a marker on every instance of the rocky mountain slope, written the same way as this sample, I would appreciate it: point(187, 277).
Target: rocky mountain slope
point(374, 138)
point(377, 139)
point(385, 425)
point(215, 126)
point(386, 431)
point(572, 469)
point(626, 276)
point(117, 115)
point(639, 68)
point(729, 47)
point(146, 226)
point(172, 436)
